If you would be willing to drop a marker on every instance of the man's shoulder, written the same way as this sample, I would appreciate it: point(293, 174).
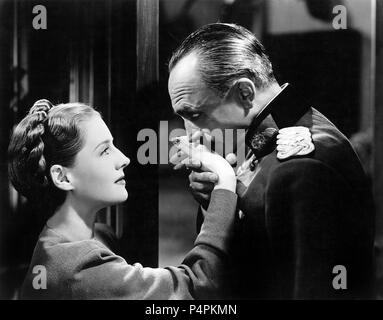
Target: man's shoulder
point(326, 135)
point(331, 149)
point(291, 171)
point(275, 175)
point(296, 168)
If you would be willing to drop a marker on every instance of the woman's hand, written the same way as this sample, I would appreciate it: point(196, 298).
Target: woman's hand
point(194, 154)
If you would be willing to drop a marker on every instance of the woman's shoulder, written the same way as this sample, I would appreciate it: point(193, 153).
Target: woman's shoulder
point(60, 256)
point(53, 243)
point(62, 262)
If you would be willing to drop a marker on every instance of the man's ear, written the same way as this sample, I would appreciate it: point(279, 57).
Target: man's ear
point(60, 177)
point(244, 92)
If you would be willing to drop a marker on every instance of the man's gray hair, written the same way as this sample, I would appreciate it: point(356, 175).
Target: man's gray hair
point(226, 53)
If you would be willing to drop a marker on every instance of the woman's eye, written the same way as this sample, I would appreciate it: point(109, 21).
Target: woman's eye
point(105, 151)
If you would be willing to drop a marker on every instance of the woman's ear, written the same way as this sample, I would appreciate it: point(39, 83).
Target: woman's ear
point(244, 92)
point(60, 177)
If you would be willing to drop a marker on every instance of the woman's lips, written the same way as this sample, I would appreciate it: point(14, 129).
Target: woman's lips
point(121, 181)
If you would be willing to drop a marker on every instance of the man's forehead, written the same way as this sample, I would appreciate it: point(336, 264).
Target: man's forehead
point(187, 64)
point(186, 87)
point(185, 73)
point(187, 95)
point(186, 90)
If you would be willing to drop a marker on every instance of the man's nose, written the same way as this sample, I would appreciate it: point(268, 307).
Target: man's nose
point(190, 127)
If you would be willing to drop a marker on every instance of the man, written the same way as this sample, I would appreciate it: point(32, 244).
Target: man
point(304, 223)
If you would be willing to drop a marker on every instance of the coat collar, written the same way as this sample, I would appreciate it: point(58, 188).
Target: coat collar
point(286, 109)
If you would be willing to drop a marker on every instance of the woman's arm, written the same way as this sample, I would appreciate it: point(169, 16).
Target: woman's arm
point(100, 274)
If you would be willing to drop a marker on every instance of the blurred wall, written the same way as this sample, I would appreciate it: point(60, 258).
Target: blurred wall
point(293, 16)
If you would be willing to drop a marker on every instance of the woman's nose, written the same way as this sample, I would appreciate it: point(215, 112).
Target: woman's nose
point(124, 161)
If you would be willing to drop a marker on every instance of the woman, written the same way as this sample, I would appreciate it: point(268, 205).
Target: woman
point(66, 153)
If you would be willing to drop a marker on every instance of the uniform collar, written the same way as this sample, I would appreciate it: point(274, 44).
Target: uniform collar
point(286, 108)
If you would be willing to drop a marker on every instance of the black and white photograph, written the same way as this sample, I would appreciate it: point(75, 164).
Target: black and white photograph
point(209, 150)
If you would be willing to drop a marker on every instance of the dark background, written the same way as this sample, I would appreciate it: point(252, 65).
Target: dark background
point(113, 55)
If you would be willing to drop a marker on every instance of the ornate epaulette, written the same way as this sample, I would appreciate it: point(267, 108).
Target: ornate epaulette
point(293, 142)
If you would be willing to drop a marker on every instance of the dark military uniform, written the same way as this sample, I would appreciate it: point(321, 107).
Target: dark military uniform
point(301, 217)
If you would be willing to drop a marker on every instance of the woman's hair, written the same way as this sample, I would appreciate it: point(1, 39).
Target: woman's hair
point(48, 135)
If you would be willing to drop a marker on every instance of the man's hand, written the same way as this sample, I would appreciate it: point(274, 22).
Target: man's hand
point(201, 184)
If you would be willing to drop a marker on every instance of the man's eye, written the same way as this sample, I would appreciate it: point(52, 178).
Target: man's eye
point(195, 116)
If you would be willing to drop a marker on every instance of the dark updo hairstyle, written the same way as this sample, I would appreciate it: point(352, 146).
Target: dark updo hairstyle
point(48, 135)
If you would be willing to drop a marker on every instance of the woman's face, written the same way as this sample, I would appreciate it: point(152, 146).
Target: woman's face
point(97, 174)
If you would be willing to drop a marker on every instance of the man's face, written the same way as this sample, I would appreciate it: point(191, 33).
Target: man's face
point(202, 106)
